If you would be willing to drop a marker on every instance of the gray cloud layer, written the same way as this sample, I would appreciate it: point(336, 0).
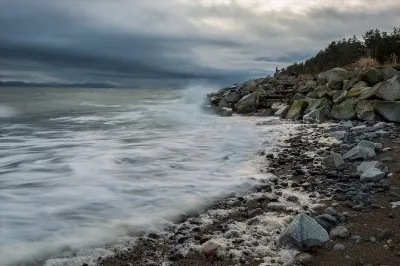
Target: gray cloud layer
point(146, 42)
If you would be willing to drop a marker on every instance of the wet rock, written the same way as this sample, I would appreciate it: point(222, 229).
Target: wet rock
point(326, 221)
point(334, 160)
point(264, 112)
point(372, 175)
point(153, 236)
point(303, 233)
point(356, 239)
point(215, 100)
point(225, 111)
point(385, 234)
point(359, 152)
point(231, 96)
point(358, 208)
point(210, 249)
point(339, 247)
point(331, 211)
point(379, 126)
point(316, 116)
point(339, 232)
point(304, 259)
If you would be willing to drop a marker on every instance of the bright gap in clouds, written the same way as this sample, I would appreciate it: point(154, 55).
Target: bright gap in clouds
point(261, 6)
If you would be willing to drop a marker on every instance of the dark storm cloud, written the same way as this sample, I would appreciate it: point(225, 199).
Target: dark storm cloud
point(172, 41)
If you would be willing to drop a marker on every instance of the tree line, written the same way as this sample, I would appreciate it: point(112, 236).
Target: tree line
point(382, 46)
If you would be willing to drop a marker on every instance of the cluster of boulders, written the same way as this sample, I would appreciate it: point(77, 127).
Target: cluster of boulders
point(367, 94)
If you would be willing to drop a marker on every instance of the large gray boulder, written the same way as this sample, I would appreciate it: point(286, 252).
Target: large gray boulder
point(334, 77)
point(372, 76)
point(297, 96)
point(250, 86)
point(388, 73)
point(339, 96)
point(356, 92)
point(334, 160)
point(231, 96)
point(316, 116)
point(389, 90)
point(297, 109)
point(308, 86)
point(344, 111)
point(322, 91)
point(248, 104)
point(365, 110)
point(303, 233)
point(390, 110)
point(367, 93)
point(360, 84)
point(282, 111)
point(215, 100)
point(314, 104)
point(225, 111)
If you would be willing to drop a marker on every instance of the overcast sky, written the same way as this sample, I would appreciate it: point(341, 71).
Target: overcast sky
point(156, 42)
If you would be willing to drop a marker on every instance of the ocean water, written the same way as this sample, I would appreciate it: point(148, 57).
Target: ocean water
point(83, 169)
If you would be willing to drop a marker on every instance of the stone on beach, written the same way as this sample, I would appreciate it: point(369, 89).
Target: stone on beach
point(326, 221)
point(364, 166)
point(359, 152)
point(334, 160)
point(339, 232)
point(303, 233)
point(372, 175)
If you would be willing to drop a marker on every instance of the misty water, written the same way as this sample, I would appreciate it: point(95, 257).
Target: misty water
point(81, 169)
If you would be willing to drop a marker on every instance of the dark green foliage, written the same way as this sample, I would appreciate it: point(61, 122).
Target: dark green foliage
point(377, 44)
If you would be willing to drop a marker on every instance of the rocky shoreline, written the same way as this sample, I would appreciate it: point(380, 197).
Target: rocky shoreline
point(330, 193)
point(310, 178)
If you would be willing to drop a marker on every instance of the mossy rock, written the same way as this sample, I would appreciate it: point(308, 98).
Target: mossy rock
point(365, 111)
point(297, 109)
point(355, 92)
point(345, 110)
